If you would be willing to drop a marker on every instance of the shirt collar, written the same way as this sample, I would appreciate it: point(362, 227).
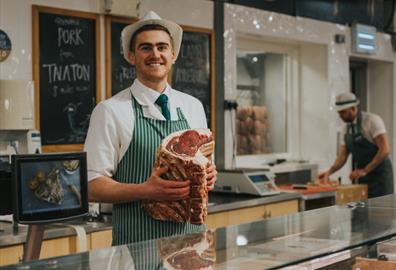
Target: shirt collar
point(146, 96)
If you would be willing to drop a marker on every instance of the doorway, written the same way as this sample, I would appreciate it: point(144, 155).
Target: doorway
point(358, 81)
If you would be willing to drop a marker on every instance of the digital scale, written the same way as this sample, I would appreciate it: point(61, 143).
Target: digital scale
point(256, 182)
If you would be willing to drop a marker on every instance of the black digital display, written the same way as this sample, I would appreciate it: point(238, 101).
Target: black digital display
point(49, 187)
point(258, 178)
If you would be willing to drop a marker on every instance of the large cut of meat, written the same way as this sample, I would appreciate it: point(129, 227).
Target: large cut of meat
point(193, 251)
point(186, 153)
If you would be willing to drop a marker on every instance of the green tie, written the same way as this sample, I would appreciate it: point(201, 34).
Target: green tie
point(162, 101)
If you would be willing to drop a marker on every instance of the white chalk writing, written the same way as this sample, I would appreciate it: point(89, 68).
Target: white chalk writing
point(69, 37)
point(71, 72)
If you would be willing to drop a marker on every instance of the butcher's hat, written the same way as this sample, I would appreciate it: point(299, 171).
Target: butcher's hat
point(151, 17)
point(345, 101)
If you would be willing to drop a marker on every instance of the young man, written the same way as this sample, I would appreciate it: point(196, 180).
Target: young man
point(365, 137)
point(126, 130)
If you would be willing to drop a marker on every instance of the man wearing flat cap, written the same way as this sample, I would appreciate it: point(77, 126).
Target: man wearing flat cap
point(126, 130)
point(366, 139)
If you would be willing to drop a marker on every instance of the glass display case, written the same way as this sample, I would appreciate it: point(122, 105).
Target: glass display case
point(318, 237)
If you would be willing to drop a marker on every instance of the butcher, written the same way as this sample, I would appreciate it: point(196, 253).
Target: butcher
point(126, 130)
point(366, 139)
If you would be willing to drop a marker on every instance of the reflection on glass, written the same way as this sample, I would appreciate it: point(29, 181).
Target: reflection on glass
point(261, 115)
point(194, 251)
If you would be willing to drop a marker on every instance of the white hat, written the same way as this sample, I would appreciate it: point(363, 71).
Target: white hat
point(151, 17)
point(345, 101)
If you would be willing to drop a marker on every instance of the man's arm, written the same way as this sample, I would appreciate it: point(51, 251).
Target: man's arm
point(105, 189)
point(338, 163)
point(382, 142)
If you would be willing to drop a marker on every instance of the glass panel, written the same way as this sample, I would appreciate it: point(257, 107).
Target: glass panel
point(261, 118)
point(303, 238)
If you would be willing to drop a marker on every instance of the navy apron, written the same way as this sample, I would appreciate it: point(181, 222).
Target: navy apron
point(380, 180)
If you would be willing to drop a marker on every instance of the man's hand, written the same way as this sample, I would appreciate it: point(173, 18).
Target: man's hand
point(324, 176)
point(211, 175)
point(160, 189)
point(356, 174)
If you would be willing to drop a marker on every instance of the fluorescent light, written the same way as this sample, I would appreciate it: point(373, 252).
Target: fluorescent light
point(365, 36)
point(367, 47)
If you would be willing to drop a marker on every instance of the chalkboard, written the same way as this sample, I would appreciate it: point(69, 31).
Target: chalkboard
point(193, 71)
point(66, 74)
point(119, 73)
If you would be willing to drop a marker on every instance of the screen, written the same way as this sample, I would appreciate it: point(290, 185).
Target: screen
point(258, 178)
point(50, 187)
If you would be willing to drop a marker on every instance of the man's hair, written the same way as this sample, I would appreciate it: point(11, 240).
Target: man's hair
point(147, 27)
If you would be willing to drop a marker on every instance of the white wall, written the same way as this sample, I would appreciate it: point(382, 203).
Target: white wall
point(275, 96)
point(380, 94)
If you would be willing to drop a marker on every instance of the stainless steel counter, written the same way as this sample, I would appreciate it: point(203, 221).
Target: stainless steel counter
point(218, 202)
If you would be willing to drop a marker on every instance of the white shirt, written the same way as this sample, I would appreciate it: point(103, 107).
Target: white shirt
point(372, 126)
point(111, 124)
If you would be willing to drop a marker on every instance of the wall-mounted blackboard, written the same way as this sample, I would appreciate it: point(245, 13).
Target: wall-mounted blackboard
point(119, 73)
point(66, 46)
point(193, 71)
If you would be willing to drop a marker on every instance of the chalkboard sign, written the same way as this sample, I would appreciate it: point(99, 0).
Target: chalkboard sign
point(193, 71)
point(119, 73)
point(66, 74)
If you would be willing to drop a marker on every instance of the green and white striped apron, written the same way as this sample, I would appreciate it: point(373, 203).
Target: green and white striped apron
point(131, 223)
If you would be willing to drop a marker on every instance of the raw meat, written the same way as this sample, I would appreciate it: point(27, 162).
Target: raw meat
point(186, 153)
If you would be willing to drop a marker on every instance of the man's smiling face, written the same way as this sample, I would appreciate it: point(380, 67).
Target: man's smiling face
point(153, 56)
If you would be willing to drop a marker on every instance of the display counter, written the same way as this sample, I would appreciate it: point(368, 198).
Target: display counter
point(62, 239)
point(318, 237)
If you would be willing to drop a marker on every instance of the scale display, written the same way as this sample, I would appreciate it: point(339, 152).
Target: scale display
point(250, 182)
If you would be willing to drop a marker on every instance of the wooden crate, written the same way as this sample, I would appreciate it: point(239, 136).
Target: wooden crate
point(351, 193)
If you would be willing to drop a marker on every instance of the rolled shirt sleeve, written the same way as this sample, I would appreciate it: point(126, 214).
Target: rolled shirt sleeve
point(109, 134)
point(101, 143)
point(376, 126)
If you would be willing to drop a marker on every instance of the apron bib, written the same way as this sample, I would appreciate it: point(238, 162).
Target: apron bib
point(130, 222)
point(380, 180)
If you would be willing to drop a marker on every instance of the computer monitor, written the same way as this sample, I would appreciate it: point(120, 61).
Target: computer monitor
point(49, 187)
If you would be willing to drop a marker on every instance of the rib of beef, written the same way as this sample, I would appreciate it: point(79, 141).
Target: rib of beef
point(186, 153)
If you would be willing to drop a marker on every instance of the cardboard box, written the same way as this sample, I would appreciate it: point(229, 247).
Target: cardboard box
point(351, 193)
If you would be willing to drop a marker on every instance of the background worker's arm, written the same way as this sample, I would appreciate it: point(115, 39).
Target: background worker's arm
point(338, 163)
